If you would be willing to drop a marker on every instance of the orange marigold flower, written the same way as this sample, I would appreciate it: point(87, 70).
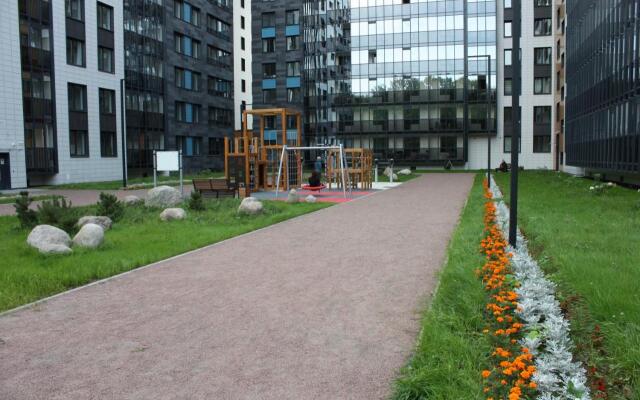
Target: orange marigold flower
point(486, 373)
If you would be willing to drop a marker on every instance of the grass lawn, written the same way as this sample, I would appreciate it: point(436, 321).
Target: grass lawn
point(452, 350)
point(138, 239)
point(173, 179)
point(589, 245)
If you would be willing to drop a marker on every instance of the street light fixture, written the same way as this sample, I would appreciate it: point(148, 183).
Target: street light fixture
point(488, 57)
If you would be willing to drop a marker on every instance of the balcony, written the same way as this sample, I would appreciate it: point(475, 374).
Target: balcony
point(42, 160)
point(423, 156)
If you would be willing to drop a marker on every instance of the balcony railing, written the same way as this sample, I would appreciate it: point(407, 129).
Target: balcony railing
point(431, 156)
point(42, 159)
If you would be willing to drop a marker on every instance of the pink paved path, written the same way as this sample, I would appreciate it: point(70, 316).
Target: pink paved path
point(324, 306)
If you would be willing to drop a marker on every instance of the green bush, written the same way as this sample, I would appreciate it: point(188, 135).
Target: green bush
point(109, 206)
point(196, 203)
point(57, 212)
point(27, 217)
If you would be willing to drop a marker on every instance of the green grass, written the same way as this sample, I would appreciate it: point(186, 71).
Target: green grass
point(138, 239)
point(452, 349)
point(12, 199)
point(589, 244)
point(115, 185)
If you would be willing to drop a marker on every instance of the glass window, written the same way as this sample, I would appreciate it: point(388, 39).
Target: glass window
point(269, 70)
point(79, 143)
point(187, 79)
point(268, 45)
point(508, 57)
point(75, 9)
point(187, 112)
point(507, 28)
point(105, 59)
point(220, 116)
point(216, 146)
point(293, 17)
point(75, 52)
point(542, 114)
point(268, 19)
point(186, 12)
point(107, 100)
point(186, 45)
point(108, 144)
point(293, 68)
point(508, 86)
point(77, 97)
point(269, 95)
point(542, 55)
point(293, 95)
point(292, 43)
point(220, 87)
point(105, 17)
point(542, 85)
point(543, 3)
point(190, 145)
point(542, 144)
point(507, 3)
point(542, 27)
point(218, 27)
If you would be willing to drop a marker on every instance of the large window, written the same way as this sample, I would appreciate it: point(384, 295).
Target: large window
point(293, 43)
point(216, 26)
point(542, 144)
point(542, 27)
point(269, 95)
point(105, 17)
point(508, 54)
point(107, 101)
point(508, 86)
point(108, 144)
point(542, 3)
point(77, 97)
point(268, 19)
point(542, 114)
point(542, 55)
point(507, 28)
point(186, 12)
point(220, 87)
point(78, 143)
point(293, 95)
point(269, 70)
point(187, 79)
point(187, 112)
point(293, 68)
point(268, 45)
point(292, 17)
point(75, 52)
point(105, 59)
point(187, 45)
point(190, 145)
point(218, 56)
point(542, 85)
point(34, 36)
point(216, 146)
point(74, 9)
point(220, 116)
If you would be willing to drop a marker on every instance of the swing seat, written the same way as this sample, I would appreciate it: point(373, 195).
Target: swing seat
point(313, 188)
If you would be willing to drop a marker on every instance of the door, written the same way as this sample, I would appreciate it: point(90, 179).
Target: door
point(5, 172)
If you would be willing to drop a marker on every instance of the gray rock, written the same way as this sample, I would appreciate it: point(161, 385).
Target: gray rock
point(310, 199)
point(131, 200)
point(49, 240)
point(395, 177)
point(90, 236)
point(293, 196)
point(405, 171)
point(250, 206)
point(171, 214)
point(104, 222)
point(163, 197)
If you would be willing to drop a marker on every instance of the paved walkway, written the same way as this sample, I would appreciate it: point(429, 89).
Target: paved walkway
point(324, 306)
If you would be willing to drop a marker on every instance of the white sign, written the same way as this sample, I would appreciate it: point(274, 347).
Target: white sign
point(167, 161)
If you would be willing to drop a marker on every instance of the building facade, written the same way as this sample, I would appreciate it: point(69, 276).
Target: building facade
point(242, 59)
point(63, 123)
point(602, 107)
point(180, 85)
point(560, 87)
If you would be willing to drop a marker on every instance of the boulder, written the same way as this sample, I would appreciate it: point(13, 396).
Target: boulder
point(131, 200)
point(387, 171)
point(49, 240)
point(310, 199)
point(171, 214)
point(90, 236)
point(405, 171)
point(163, 197)
point(293, 197)
point(250, 206)
point(104, 222)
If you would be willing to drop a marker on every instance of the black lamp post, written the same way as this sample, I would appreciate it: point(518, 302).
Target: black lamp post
point(515, 112)
point(123, 128)
point(488, 57)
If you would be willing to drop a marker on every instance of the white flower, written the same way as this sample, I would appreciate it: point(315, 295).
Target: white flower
point(591, 188)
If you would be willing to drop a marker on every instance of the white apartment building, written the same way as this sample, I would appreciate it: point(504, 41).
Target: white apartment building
point(241, 60)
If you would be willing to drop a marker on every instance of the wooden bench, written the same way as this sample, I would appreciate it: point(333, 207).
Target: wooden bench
point(215, 187)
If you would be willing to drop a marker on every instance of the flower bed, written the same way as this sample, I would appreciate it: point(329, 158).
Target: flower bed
point(538, 332)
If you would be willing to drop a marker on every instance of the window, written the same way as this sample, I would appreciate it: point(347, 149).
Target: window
point(187, 79)
point(373, 56)
point(449, 144)
point(79, 143)
point(269, 70)
point(36, 37)
point(218, 56)
point(218, 27)
point(542, 55)
point(507, 28)
point(242, 21)
point(187, 112)
point(75, 52)
point(269, 95)
point(190, 145)
point(542, 27)
point(243, 64)
point(243, 85)
point(293, 95)
point(187, 45)
point(268, 45)
point(542, 3)
point(292, 43)
point(107, 101)
point(292, 17)
point(508, 86)
point(542, 144)
point(220, 87)
point(105, 59)
point(186, 12)
point(242, 43)
point(542, 85)
point(542, 114)
point(77, 97)
point(508, 57)
point(507, 3)
point(216, 146)
point(105, 17)
point(220, 116)
point(268, 20)
point(293, 68)
point(75, 9)
point(108, 144)
point(242, 3)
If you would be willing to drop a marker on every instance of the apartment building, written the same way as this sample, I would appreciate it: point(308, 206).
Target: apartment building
point(242, 59)
point(560, 30)
point(61, 70)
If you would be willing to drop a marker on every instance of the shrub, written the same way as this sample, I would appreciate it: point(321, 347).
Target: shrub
point(109, 206)
point(57, 212)
point(196, 203)
point(27, 217)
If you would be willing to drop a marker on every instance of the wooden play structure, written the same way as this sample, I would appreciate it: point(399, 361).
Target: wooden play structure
point(255, 160)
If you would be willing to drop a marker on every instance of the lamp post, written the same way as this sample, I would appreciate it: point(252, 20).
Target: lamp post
point(123, 128)
point(488, 57)
point(515, 112)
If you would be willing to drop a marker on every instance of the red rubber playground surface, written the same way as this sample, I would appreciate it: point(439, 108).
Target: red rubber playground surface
point(323, 196)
